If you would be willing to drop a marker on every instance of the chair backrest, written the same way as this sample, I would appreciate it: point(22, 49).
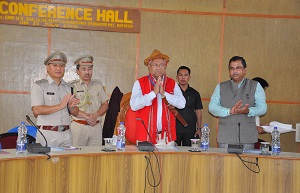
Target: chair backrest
point(8, 140)
point(31, 130)
point(124, 106)
point(127, 116)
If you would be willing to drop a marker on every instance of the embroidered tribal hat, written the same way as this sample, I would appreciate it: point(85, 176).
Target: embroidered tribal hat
point(85, 60)
point(156, 54)
point(56, 58)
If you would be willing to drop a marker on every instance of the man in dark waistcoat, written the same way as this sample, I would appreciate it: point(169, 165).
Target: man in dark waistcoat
point(236, 102)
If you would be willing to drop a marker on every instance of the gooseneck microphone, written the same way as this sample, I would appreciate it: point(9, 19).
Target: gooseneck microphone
point(32, 124)
point(239, 125)
point(233, 148)
point(240, 150)
point(149, 147)
point(143, 123)
point(37, 147)
point(145, 145)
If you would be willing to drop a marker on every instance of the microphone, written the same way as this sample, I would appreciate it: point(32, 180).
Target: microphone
point(145, 145)
point(32, 124)
point(233, 148)
point(140, 119)
point(239, 125)
point(37, 147)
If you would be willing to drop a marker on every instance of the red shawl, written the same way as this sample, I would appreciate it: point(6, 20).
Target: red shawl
point(149, 114)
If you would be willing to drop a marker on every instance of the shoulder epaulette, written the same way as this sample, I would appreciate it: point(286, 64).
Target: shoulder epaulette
point(74, 81)
point(42, 81)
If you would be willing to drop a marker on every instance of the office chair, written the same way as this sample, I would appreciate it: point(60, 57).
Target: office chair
point(9, 140)
point(31, 130)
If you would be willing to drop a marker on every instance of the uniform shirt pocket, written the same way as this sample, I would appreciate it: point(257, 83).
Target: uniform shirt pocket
point(51, 99)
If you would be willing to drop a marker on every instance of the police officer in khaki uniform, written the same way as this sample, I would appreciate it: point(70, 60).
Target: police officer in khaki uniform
point(52, 103)
point(86, 127)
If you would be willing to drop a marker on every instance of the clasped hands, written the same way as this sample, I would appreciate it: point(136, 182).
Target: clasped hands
point(72, 102)
point(91, 118)
point(239, 108)
point(158, 88)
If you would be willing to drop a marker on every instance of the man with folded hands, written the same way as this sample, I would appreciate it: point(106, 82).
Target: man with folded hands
point(86, 127)
point(154, 120)
point(52, 103)
point(236, 102)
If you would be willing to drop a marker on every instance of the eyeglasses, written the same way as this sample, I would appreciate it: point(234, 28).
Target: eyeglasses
point(236, 68)
point(159, 65)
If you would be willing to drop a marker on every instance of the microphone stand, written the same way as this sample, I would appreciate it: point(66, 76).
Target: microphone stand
point(37, 147)
point(34, 125)
point(148, 146)
point(236, 149)
point(239, 125)
point(240, 147)
point(145, 145)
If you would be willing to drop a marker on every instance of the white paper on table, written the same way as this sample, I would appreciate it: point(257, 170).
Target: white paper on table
point(281, 127)
point(163, 146)
point(57, 149)
point(70, 148)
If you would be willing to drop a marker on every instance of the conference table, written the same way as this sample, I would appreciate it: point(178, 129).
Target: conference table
point(173, 170)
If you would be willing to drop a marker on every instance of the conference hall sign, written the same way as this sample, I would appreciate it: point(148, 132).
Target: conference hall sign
point(99, 18)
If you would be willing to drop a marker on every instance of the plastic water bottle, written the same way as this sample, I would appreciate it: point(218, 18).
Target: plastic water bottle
point(275, 142)
point(21, 140)
point(121, 137)
point(205, 138)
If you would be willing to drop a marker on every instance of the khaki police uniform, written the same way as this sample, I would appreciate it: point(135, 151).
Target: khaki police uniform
point(46, 92)
point(91, 97)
